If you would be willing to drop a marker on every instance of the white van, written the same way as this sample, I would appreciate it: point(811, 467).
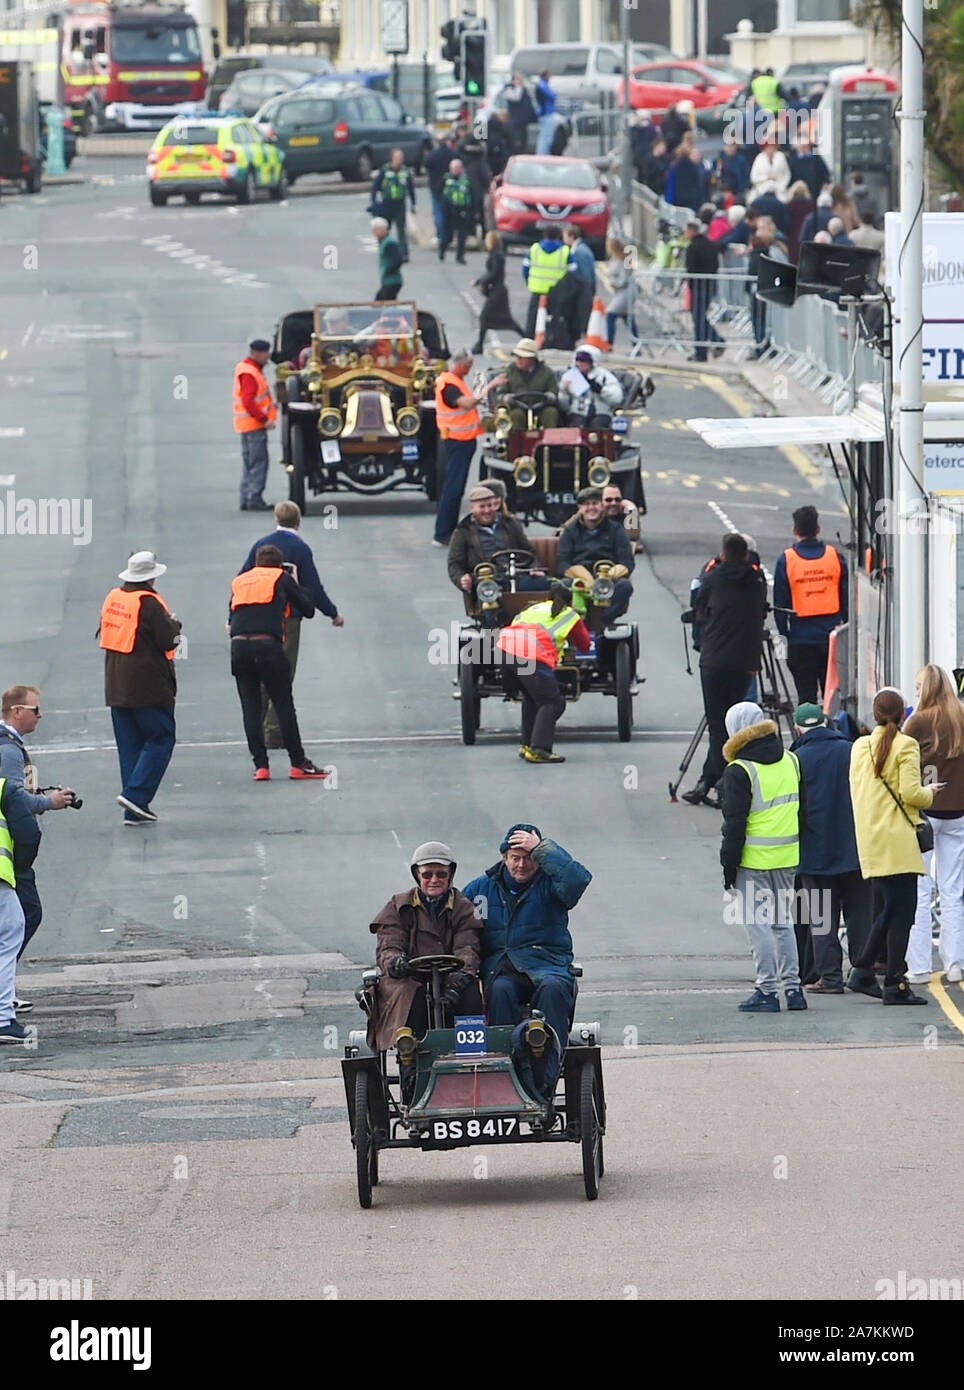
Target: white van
point(581, 72)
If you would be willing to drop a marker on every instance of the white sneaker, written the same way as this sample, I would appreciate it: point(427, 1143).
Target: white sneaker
point(920, 979)
point(954, 974)
point(23, 1006)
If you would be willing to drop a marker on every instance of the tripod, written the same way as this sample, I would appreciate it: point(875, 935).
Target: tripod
point(774, 699)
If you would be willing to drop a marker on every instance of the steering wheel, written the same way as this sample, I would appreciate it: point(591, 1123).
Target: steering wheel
point(443, 964)
point(523, 558)
point(531, 400)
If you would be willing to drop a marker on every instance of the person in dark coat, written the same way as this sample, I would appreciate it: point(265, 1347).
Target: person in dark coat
point(437, 168)
point(642, 134)
point(589, 537)
point(471, 151)
point(522, 114)
point(830, 878)
point(431, 919)
point(524, 900)
point(817, 221)
point(673, 127)
point(732, 169)
point(654, 167)
point(21, 826)
point(483, 533)
point(496, 311)
point(808, 635)
point(769, 205)
point(730, 606)
point(811, 167)
point(702, 259)
point(498, 142)
point(800, 206)
point(686, 181)
point(565, 304)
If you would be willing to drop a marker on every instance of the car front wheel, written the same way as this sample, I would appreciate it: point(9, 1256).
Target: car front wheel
point(246, 192)
point(280, 189)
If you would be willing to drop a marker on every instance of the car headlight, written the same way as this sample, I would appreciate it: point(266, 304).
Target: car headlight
point(597, 473)
point(591, 209)
point(329, 421)
point(408, 421)
point(603, 589)
point(513, 205)
point(488, 591)
point(524, 471)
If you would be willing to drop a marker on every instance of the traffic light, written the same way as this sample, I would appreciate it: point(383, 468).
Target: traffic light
point(450, 40)
point(474, 62)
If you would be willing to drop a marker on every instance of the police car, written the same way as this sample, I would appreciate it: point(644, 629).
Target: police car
point(208, 153)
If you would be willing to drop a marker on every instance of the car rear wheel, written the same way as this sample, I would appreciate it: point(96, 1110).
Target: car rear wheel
point(469, 703)
point(246, 192)
point(362, 168)
point(624, 700)
point(280, 189)
point(158, 199)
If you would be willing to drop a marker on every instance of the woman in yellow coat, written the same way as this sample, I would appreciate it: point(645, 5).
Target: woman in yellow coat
point(887, 844)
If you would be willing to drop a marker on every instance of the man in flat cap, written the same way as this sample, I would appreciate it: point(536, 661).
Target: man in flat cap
point(483, 533)
point(592, 536)
point(254, 414)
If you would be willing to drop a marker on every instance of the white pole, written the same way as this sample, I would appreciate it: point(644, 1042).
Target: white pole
point(909, 464)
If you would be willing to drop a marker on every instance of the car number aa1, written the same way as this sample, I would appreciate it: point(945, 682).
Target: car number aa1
point(500, 1127)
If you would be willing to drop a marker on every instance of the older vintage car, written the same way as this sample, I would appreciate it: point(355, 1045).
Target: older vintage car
point(470, 1084)
point(484, 671)
point(544, 468)
point(355, 383)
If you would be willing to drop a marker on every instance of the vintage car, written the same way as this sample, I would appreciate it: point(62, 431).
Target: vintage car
point(543, 469)
point(471, 1084)
point(355, 383)
point(483, 671)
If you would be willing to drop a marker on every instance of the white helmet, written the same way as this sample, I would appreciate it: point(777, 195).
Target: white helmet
point(432, 852)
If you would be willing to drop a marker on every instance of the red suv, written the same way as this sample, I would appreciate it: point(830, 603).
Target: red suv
point(537, 189)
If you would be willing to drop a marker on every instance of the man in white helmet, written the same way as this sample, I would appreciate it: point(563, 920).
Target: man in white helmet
point(431, 919)
point(589, 392)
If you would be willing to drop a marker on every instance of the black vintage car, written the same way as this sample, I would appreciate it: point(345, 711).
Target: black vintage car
point(355, 383)
point(544, 468)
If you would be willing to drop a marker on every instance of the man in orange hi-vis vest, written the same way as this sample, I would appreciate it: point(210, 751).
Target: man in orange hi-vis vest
point(809, 601)
point(459, 425)
point(139, 634)
point(254, 414)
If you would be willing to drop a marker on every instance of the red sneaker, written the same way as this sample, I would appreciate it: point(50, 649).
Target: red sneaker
point(262, 774)
point(307, 769)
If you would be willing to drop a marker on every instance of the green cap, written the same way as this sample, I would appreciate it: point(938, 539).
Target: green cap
point(809, 716)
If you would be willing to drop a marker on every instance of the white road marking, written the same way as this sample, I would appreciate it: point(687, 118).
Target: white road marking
point(7, 479)
point(201, 261)
point(730, 526)
point(11, 432)
point(396, 839)
point(27, 335)
point(20, 380)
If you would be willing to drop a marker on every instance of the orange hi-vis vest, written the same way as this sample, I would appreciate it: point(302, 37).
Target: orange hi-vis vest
point(536, 635)
point(243, 422)
point(256, 586)
point(119, 617)
point(454, 422)
point(814, 584)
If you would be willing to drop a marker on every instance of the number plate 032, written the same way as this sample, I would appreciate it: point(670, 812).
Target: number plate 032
point(470, 1034)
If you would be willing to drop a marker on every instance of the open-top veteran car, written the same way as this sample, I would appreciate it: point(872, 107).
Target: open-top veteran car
point(355, 383)
point(544, 468)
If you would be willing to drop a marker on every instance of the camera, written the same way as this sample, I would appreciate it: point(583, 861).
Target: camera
point(288, 567)
point(75, 803)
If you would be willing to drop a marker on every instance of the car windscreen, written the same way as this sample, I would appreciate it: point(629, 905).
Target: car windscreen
point(157, 44)
point(359, 323)
point(192, 135)
point(534, 173)
point(719, 72)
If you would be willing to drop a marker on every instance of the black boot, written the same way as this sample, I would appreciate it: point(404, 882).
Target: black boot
point(864, 982)
point(902, 994)
point(699, 793)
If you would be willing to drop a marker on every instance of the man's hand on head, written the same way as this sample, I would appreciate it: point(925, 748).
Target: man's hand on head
point(524, 840)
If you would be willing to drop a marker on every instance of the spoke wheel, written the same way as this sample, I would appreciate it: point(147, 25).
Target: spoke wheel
point(296, 478)
point(592, 1140)
point(366, 1154)
point(470, 704)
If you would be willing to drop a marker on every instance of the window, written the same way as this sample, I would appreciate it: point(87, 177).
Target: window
point(294, 113)
point(569, 62)
point(353, 109)
point(370, 109)
point(240, 135)
point(607, 63)
point(683, 77)
point(392, 109)
point(155, 46)
point(532, 173)
point(192, 135)
point(813, 11)
point(653, 75)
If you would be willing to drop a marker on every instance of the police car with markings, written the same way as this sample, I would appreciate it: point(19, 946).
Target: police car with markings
point(211, 153)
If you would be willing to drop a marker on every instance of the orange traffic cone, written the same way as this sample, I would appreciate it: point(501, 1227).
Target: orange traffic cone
point(596, 330)
point(542, 319)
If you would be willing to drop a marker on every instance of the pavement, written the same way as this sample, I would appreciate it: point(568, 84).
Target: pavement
point(193, 979)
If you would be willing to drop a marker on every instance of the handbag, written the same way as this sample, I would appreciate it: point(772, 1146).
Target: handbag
point(924, 831)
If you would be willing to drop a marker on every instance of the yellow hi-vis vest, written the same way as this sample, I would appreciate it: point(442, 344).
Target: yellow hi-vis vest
point(6, 844)
point(535, 635)
point(773, 825)
point(766, 91)
point(546, 268)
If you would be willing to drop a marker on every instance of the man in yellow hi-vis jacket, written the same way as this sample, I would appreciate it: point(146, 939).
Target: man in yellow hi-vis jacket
point(760, 793)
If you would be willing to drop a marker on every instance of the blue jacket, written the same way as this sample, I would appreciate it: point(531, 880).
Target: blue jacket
point(13, 766)
point(545, 98)
point(298, 553)
point(686, 184)
point(531, 928)
point(582, 262)
point(22, 824)
point(806, 632)
point(733, 170)
point(828, 844)
point(548, 243)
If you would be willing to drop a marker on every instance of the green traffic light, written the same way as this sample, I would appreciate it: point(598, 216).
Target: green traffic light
point(472, 87)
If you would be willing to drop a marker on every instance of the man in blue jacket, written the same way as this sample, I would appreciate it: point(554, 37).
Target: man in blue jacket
point(809, 601)
point(829, 869)
point(297, 553)
point(19, 839)
point(582, 264)
point(545, 104)
point(524, 902)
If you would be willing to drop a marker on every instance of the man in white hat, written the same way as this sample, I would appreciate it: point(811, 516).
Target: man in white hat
point(139, 634)
point(525, 373)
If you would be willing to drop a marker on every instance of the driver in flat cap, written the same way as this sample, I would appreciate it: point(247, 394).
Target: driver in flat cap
point(254, 414)
point(524, 901)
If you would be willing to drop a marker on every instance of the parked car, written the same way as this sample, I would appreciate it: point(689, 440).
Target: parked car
point(535, 189)
point(806, 77)
point(320, 129)
point(227, 68)
point(582, 71)
point(250, 90)
point(711, 89)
